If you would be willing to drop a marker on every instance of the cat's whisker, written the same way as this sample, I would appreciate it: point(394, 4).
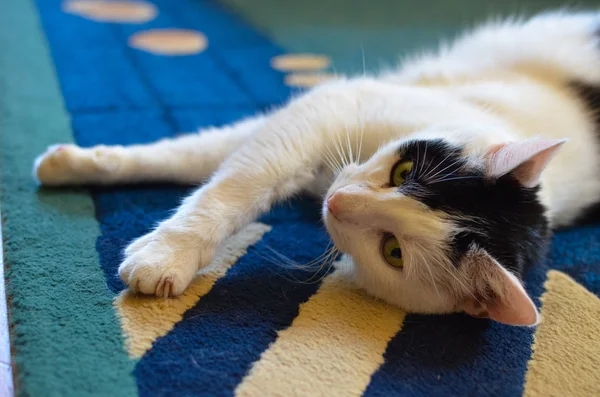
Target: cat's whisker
point(347, 148)
point(430, 177)
point(332, 157)
point(326, 259)
point(362, 133)
point(331, 260)
point(328, 160)
point(443, 266)
point(332, 168)
point(271, 260)
point(280, 258)
point(447, 167)
point(360, 123)
point(350, 153)
point(331, 252)
point(356, 145)
point(428, 173)
point(319, 273)
point(334, 161)
point(437, 292)
point(453, 179)
point(418, 155)
point(295, 264)
point(424, 158)
point(338, 148)
point(336, 145)
point(327, 263)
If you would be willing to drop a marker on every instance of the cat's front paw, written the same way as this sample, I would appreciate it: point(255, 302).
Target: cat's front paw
point(69, 164)
point(163, 265)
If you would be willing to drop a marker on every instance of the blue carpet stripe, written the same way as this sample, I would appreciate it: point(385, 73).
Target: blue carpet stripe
point(577, 253)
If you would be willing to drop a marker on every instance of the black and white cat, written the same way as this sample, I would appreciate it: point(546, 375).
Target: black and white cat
point(442, 179)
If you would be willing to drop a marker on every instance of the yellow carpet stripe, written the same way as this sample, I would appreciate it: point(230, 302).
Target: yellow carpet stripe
point(145, 318)
point(566, 351)
point(332, 348)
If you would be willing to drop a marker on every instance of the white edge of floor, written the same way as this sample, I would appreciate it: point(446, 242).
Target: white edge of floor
point(6, 373)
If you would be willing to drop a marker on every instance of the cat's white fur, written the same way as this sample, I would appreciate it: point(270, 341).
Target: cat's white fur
point(503, 82)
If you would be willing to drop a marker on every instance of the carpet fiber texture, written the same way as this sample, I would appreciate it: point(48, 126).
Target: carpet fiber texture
point(250, 325)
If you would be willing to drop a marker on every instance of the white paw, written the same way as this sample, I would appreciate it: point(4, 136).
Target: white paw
point(162, 265)
point(70, 164)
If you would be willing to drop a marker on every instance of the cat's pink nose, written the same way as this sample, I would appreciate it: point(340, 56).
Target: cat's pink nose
point(333, 204)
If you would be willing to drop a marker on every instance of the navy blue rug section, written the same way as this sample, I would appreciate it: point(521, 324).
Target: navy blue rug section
point(120, 95)
point(576, 252)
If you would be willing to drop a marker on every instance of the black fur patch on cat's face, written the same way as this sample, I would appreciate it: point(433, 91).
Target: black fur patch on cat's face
point(499, 215)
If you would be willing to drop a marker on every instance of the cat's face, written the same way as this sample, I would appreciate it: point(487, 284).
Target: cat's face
point(433, 229)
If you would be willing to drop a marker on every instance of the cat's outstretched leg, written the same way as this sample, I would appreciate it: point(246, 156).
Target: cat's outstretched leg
point(281, 158)
point(190, 158)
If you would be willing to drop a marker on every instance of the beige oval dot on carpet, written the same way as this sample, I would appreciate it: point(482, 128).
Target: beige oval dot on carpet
point(169, 41)
point(112, 11)
point(307, 80)
point(298, 62)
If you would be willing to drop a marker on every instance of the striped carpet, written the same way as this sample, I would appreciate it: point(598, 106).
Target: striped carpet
point(131, 72)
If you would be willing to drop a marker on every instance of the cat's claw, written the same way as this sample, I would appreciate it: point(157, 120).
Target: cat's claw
point(168, 285)
point(164, 287)
point(161, 265)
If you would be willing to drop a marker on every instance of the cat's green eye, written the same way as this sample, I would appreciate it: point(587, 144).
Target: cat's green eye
point(390, 249)
point(400, 172)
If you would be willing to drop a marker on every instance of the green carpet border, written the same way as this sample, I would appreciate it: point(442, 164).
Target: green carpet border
point(59, 305)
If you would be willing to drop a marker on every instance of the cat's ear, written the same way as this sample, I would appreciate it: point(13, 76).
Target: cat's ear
point(525, 160)
point(500, 295)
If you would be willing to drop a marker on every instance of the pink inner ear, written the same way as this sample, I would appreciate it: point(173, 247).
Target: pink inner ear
point(525, 159)
point(515, 307)
point(508, 303)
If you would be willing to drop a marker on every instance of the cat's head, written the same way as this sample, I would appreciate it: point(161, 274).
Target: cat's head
point(434, 229)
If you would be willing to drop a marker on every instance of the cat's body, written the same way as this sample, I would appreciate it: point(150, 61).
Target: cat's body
point(470, 204)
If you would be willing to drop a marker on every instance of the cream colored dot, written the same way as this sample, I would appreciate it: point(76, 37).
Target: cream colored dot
point(112, 11)
point(169, 41)
point(300, 62)
point(303, 80)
